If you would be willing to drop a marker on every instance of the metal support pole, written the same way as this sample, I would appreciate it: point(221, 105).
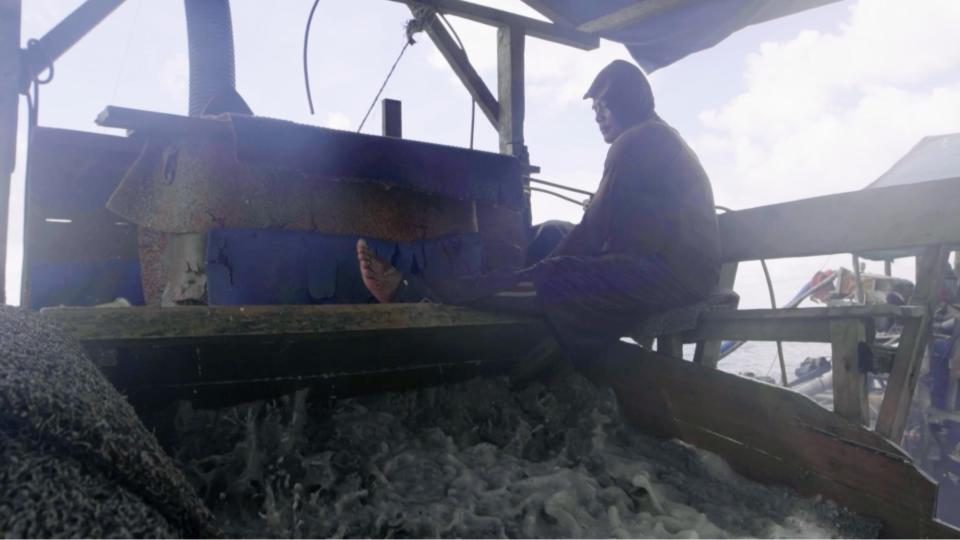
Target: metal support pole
point(10, 66)
point(392, 118)
point(510, 79)
point(65, 35)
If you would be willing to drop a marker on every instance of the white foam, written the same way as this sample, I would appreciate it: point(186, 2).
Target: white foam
point(477, 460)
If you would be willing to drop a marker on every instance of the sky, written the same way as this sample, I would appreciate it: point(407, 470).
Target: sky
point(816, 103)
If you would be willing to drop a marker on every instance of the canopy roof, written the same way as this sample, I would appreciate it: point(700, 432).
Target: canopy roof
point(659, 32)
point(933, 158)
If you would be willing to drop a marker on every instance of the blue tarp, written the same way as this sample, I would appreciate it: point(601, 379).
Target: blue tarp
point(664, 31)
point(269, 266)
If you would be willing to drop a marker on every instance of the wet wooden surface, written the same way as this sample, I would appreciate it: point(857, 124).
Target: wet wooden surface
point(774, 435)
point(220, 355)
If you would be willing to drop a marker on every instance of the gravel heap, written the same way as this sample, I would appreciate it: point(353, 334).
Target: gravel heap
point(75, 461)
point(476, 460)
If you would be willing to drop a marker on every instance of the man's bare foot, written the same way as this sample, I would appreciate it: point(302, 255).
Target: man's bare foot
point(378, 275)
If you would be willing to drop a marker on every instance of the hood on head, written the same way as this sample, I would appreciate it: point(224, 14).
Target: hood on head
point(625, 90)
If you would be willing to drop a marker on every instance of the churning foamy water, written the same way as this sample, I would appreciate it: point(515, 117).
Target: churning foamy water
point(476, 460)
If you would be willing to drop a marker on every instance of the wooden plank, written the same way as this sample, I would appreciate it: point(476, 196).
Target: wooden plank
point(819, 313)
point(895, 407)
point(9, 109)
point(805, 325)
point(915, 215)
point(142, 326)
point(630, 15)
point(670, 345)
point(774, 435)
point(218, 356)
point(564, 35)
point(741, 329)
point(462, 68)
point(849, 381)
point(708, 352)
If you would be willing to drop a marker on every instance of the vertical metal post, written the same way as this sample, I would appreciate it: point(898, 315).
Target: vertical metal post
point(888, 268)
point(10, 63)
point(510, 79)
point(392, 118)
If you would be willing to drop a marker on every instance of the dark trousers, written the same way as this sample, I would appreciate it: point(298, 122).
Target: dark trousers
point(502, 290)
point(589, 301)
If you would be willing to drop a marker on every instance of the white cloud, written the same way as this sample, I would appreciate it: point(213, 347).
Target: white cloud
point(338, 120)
point(828, 112)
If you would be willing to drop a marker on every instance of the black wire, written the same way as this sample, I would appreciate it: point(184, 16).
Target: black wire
point(473, 121)
point(406, 44)
point(306, 69)
point(561, 186)
point(564, 197)
point(773, 305)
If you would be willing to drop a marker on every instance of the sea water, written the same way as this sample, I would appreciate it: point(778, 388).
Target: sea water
point(476, 459)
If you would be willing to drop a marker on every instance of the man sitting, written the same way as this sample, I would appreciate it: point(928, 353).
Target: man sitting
point(647, 243)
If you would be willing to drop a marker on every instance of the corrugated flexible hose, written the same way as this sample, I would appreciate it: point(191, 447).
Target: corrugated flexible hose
point(210, 44)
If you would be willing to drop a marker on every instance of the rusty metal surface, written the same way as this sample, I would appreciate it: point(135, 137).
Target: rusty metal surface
point(194, 184)
point(445, 171)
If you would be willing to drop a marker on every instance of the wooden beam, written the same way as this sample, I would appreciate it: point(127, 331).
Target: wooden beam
point(218, 356)
point(849, 381)
point(898, 396)
point(10, 15)
point(806, 325)
point(914, 215)
point(670, 345)
point(801, 330)
point(816, 313)
point(149, 326)
point(632, 14)
point(495, 17)
point(458, 61)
